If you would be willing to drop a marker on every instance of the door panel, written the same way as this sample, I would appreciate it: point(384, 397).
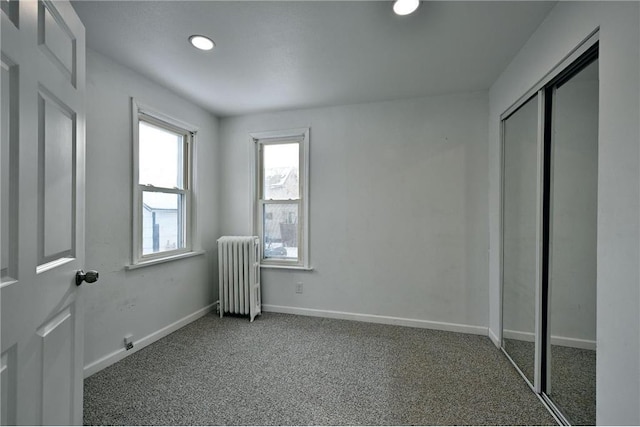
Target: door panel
point(56, 169)
point(5, 179)
point(9, 170)
point(8, 391)
point(10, 9)
point(57, 367)
point(42, 213)
point(56, 38)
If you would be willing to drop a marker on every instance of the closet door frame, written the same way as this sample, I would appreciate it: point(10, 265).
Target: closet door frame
point(586, 52)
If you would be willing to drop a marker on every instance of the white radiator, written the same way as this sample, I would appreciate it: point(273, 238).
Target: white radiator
point(239, 272)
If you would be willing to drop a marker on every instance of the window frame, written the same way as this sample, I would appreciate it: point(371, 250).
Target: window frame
point(153, 117)
point(258, 140)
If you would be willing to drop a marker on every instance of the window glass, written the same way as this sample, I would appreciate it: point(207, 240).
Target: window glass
point(161, 157)
point(162, 222)
point(280, 229)
point(281, 171)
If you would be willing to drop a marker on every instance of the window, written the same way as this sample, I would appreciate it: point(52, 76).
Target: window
point(162, 186)
point(281, 197)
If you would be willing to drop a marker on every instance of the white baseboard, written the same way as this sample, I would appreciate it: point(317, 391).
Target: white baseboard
point(555, 340)
point(120, 354)
point(494, 338)
point(573, 342)
point(519, 335)
point(373, 318)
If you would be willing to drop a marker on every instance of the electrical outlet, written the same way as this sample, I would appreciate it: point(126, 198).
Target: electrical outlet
point(128, 342)
point(299, 288)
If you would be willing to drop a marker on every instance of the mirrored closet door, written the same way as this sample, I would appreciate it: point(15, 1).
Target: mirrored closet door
point(549, 223)
point(571, 331)
point(520, 233)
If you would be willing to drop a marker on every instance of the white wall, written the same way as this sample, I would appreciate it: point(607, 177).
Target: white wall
point(143, 301)
point(398, 209)
point(618, 275)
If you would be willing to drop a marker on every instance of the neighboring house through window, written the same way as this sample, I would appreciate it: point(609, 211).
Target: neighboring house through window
point(162, 186)
point(281, 196)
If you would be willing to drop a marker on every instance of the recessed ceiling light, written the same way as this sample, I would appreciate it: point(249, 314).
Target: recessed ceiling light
point(405, 7)
point(202, 42)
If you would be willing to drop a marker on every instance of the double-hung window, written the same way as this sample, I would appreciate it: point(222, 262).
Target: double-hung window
point(162, 187)
point(281, 214)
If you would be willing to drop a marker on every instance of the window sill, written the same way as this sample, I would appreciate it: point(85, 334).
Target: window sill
point(286, 267)
point(163, 260)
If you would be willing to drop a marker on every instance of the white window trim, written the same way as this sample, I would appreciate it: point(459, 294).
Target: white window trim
point(302, 137)
point(192, 245)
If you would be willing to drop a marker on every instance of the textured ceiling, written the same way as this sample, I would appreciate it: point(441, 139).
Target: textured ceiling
point(275, 55)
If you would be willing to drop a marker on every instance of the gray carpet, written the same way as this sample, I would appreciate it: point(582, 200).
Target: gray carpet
point(573, 384)
point(523, 354)
point(573, 378)
point(294, 370)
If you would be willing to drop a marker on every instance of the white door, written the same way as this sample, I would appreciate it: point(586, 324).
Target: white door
point(42, 177)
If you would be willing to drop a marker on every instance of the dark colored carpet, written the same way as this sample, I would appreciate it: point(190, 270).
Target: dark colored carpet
point(294, 370)
point(573, 383)
point(573, 378)
point(523, 354)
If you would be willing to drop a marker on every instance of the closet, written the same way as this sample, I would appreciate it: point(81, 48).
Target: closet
point(549, 224)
